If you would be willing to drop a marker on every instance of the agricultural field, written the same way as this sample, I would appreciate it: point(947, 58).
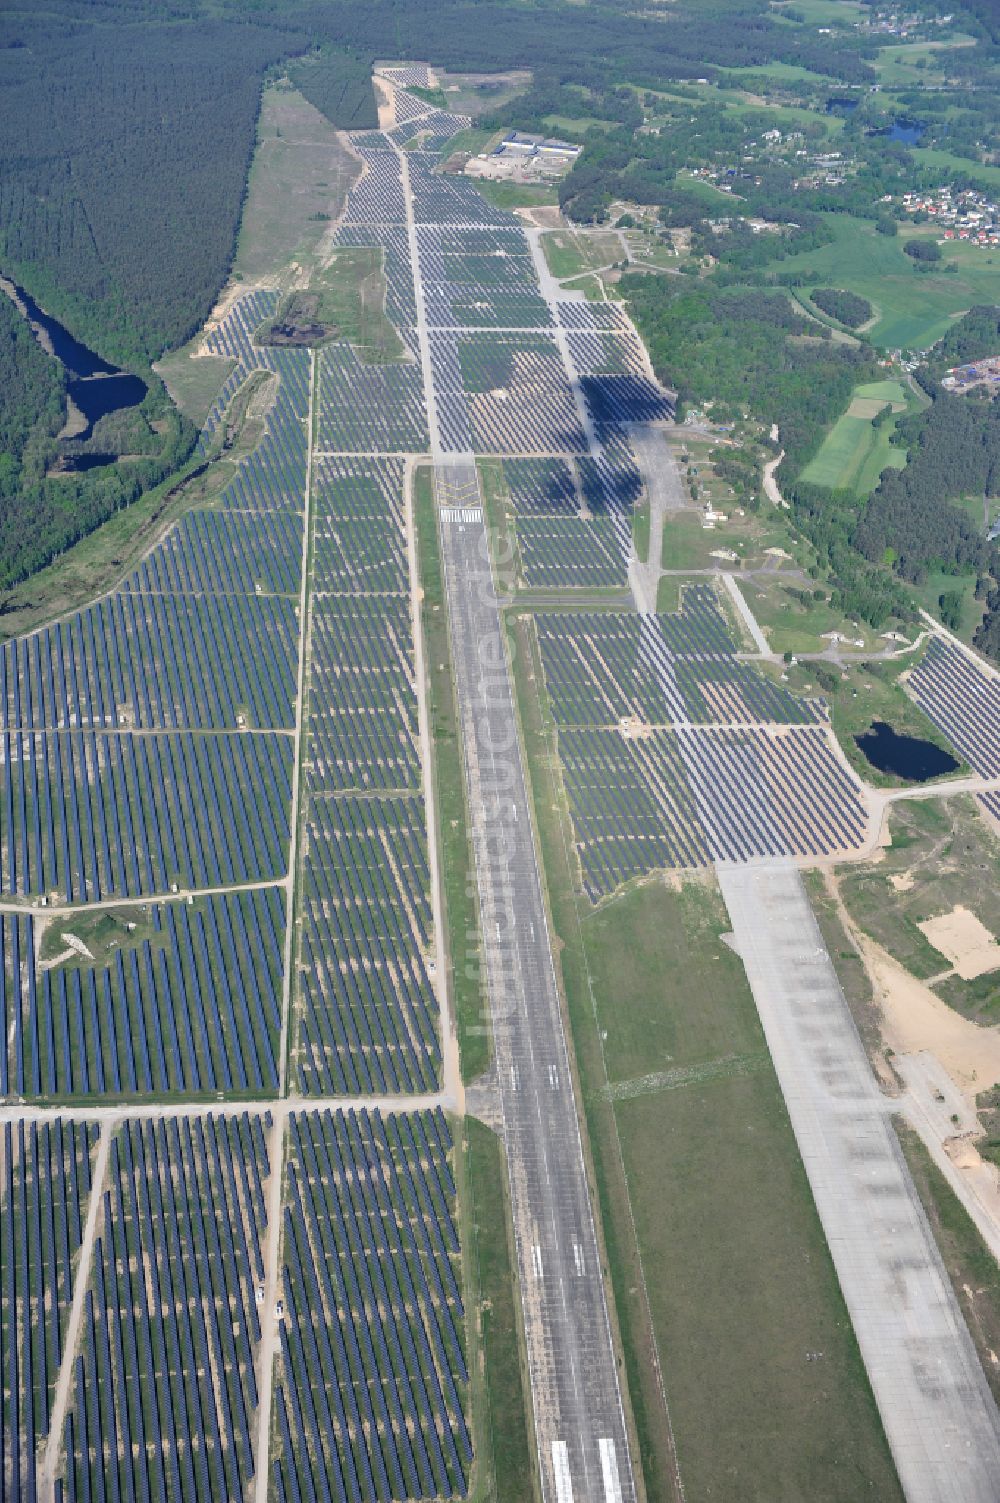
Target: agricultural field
point(854, 453)
point(913, 308)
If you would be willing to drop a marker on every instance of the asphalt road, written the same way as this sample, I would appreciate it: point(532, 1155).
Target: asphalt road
point(939, 1416)
point(579, 1424)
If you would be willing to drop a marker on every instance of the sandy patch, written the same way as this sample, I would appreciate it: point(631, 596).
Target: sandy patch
point(902, 882)
point(543, 217)
point(914, 1018)
point(385, 102)
point(964, 940)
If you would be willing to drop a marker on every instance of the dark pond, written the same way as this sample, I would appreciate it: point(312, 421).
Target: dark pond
point(96, 387)
point(907, 131)
point(909, 757)
point(840, 105)
point(100, 395)
point(78, 464)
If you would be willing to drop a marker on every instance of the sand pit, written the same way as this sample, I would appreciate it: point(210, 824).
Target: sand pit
point(964, 940)
point(915, 1018)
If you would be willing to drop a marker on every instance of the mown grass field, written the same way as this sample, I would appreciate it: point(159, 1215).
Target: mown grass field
point(854, 453)
point(722, 1279)
point(500, 1404)
point(914, 308)
point(569, 252)
point(300, 170)
point(793, 625)
point(506, 195)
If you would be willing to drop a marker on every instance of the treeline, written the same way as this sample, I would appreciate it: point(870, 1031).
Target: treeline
point(340, 85)
point(846, 307)
point(127, 127)
point(954, 450)
point(975, 335)
point(747, 352)
point(32, 403)
point(43, 516)
point(744, 351)
point(124, 153)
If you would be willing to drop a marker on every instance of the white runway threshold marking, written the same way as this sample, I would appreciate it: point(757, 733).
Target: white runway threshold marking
point(560, 1466)
point(609, 1471)
point(536, 1261)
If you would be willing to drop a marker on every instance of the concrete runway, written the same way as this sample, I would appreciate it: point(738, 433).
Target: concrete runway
point(578, 1417)
point(938, 1412)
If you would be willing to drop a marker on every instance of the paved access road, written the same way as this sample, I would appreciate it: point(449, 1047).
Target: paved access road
point(938, 1413)
point(579, 1423)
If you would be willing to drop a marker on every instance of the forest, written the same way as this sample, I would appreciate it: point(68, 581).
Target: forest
point(975, 335)
point(32, 394)
point(846, 307)
point(954, 450)
point(127, 127)
point(746, 352)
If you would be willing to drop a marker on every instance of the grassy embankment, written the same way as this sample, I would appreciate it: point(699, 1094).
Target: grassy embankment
point(715, 1252)
point(972, 1268)
point(505, 1454)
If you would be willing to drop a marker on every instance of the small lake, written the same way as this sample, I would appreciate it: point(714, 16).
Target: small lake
point(909, 757)
point(907, 131)
point(841, 105)
point(96, 387)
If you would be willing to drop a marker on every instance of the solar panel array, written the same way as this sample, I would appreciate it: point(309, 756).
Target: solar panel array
point(367, 1392)
point(45, 1176)
point(675, 753)
point(962, 698)
point(192, 1007)
point(367, 1013)
point(146, 759)
point(165, 1393)
point(146, 749)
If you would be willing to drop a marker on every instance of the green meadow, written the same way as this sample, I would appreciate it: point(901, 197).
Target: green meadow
point(914, 308)
point(854, 453)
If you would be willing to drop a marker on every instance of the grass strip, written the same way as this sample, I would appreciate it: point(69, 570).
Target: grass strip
point(464, 979)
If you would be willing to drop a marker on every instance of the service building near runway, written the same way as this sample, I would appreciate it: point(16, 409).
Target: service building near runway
point(525, 158)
